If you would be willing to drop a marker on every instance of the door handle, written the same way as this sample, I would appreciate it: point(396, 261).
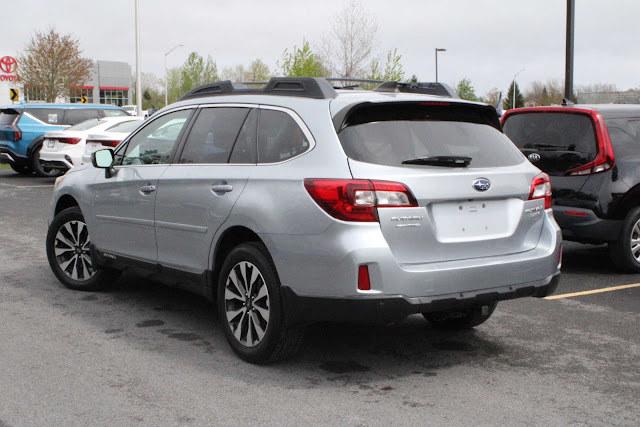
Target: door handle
point(221, 188)
point(147, 189)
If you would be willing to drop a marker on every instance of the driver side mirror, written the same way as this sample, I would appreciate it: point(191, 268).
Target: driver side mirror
point(103, 159)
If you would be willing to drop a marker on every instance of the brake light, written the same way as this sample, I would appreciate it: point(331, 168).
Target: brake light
point(17, 133)
point(358, 199)
point(541, 189)
point(605, 158)
point(67, 140)
point(104, 142)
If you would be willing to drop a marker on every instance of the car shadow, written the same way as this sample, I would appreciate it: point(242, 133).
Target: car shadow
point(584, 258)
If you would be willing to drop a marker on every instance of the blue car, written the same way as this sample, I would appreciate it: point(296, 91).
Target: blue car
point(22, 129)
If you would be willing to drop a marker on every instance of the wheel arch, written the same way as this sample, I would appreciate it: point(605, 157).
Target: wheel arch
point(64, 202)
point(34, 146)
point(628, 201)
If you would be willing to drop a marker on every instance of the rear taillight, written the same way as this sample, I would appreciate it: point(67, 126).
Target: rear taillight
point(605, 159)
point(67, 140)
point(104, 142)
point(17, 133)
point(541, 189)
point(358, 199)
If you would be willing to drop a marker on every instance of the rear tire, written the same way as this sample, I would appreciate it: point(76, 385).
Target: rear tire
point(69, 256)
point(41, 170)
point(21, 168)
point(463, 319)
point(625, 251)
point(250, 308)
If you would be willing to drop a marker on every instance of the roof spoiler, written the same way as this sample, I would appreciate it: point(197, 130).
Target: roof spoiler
point(428, 88)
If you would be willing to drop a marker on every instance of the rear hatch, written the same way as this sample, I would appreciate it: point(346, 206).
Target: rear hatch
point(568, 143)
point(471, 184)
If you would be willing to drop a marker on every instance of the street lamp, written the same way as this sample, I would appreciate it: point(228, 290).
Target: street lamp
point(514, 87)
point(138, 71)
point(438, 50)
point(166, 90)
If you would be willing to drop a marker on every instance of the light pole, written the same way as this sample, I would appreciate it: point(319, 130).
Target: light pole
point(438, 49)
point(166, 81)
point(514, 88)
point(138, 72)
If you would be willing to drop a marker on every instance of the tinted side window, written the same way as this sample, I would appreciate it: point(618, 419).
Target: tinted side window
point(73, 117)
point(279, 137)
point(52, 116)
point(245, 149)
point(154, 144)
point(212, 136)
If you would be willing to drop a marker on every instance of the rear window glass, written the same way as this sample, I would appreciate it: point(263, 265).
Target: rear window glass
point(115, 113)
point(87, 124)
point(52, 116)
point(552, 132)
point(7, 118)
point(125, 127)
point(279, 137)
point(391, 134)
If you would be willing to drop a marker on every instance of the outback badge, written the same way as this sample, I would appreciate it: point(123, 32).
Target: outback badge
point(481, 184)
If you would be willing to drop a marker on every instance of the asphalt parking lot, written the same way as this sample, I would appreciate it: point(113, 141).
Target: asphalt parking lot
point(144, 353)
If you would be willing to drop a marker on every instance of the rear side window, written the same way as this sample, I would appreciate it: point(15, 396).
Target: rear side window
point(279, 137)
point(245, 148)
point(212, 136)
point(392, 133)
point(114, 113)
point(73, 117)
point(52, 116)
point(7, 117)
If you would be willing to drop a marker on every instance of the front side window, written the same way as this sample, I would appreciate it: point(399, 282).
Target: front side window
point(155, 143)
point(73, 117)
point(279, 137)
point(213, 134)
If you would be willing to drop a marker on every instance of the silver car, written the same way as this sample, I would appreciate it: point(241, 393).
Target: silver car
point(297, 203)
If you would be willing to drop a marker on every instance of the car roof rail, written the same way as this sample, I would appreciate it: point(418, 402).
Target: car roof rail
point(357, 82)
point(428, 88)
point(305, 87)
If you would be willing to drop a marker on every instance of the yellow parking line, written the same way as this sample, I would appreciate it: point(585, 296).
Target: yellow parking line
point(594, 291)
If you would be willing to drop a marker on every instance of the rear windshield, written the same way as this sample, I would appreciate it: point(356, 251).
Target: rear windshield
point(390, 134)
point(7, 117)
point(127, 127)
point(87, 124)
point(552, 132)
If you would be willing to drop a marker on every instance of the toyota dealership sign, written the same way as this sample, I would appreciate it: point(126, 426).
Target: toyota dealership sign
point(8, 67)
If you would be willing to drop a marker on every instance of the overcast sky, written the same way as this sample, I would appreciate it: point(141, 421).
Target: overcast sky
point(487, 41)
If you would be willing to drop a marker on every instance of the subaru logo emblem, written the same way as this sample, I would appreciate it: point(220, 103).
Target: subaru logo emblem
point(481, 184)
point(533, 157)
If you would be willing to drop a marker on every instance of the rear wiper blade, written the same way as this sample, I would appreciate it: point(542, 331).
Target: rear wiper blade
point(550, 146)
point(448, 161)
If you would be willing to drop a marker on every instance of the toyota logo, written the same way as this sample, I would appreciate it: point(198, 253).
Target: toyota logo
point(481, 184)
point(533, 157)
point(8, 64)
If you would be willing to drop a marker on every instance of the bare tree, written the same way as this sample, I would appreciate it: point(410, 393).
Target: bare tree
point(350, 45)
point(53, 62)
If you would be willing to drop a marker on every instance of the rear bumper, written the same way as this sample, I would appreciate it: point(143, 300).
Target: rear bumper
point(7, 155)
point(58, 160)
point(300, 309)
point(583, 225)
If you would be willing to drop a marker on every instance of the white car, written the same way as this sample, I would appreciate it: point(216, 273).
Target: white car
point(131, 109)
point(110, 138)
point(64, 149)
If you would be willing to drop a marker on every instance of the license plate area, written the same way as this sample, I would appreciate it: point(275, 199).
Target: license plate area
point(51, 144)
point(473, 220)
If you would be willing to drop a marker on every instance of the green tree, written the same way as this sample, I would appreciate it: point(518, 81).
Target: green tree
point(466, 91)
point(508, 102)
point(174, 84)
point(301, 62)
point(258, 71)
point(196, 71)
point(54, 63)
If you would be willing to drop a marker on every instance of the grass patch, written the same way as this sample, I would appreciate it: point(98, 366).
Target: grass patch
point(4, 166)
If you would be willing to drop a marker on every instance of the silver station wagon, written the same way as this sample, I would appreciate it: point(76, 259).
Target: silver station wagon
point(298, 202)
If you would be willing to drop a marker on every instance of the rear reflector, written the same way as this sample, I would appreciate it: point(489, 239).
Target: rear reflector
point(575, 213)
point(364, 284)
point(541, 189)
point(358, 199)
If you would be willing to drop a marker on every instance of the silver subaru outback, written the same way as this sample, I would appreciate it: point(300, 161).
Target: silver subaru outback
point(297, 202)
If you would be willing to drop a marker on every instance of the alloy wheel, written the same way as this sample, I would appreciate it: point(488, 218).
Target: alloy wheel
point(71, 248)
point(247, 303)
point(635, 241)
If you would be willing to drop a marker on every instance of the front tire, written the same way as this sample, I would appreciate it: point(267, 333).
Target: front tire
point(462, 319)
point(68, 253)
point(625, 251)
point(250, 309)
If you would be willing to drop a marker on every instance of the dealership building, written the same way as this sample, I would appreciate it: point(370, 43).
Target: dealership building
point(110, 83)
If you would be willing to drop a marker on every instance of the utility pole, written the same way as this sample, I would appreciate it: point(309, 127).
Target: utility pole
point(138, 72)
point(438, 50)
point(568, 70)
